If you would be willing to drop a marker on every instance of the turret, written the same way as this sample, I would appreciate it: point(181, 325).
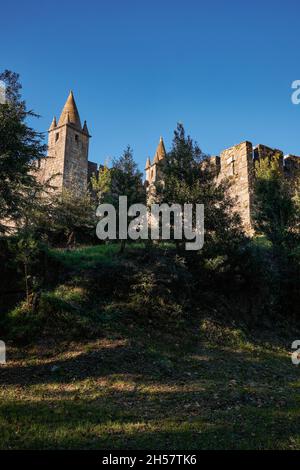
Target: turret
point(68, 146)
point(153, 171)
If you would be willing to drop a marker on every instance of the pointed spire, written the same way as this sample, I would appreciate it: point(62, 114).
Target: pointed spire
point(148, 164)
point(70, 113)
point(160, 151)
point(85, 128)
point(53, 124)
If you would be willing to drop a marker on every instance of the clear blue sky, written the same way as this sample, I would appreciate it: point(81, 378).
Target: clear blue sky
point(224, 68)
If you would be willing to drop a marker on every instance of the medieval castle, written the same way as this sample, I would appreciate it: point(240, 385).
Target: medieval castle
point(68, 165)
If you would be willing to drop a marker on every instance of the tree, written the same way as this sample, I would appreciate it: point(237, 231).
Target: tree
point(126, 180)
point(101, 184)
point(72, 217)
point(277, 216)
point(21, 147)
point(275, 212)
point(189, 176)
point(25, 248)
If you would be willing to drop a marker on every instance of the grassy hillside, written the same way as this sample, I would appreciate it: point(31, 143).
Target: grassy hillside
point(122, 361)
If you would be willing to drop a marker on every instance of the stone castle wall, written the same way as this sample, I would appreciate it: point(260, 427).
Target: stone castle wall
point(52, 167)
point(76, 164)
point(66, 165)
point(236, 163)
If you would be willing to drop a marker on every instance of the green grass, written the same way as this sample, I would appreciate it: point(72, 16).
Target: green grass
point(91, 256)
point(138, 382)
point(86, 257)
point(136, 391)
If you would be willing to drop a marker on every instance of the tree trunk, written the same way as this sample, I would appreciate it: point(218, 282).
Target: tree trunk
point(122, 247)
point(26, 283)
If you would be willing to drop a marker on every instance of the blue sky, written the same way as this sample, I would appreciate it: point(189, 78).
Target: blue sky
point(223, 68)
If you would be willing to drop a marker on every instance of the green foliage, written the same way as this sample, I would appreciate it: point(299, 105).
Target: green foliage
point(123, 179)
point(25, 248)
point(182, 171)
point(190, 178)
point(275, 209)
point(20, 149)
point(126, 179)
point(106, 290)
point(101, 184)
point(53, 315)
point(160, 293)
point(73, 216)
point(65, 218)
point(277, 217)
point(22, 324)
point(296, 202)
point(12, 281)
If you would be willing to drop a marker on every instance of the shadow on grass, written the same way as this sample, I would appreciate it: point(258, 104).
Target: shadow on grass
point(152, 362)
point(127, 396)
point(104, 424)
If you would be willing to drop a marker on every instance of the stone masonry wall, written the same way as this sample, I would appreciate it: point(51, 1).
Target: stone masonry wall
point(237, 165)
point(67, 160)
point(53, 165)
point(76, 161)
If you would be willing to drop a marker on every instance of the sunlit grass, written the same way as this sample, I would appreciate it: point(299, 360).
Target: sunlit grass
point(86, 257)
point(113, 394)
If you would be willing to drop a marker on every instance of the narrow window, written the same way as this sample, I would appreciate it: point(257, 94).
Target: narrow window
point(76, 138)
point(56, 136)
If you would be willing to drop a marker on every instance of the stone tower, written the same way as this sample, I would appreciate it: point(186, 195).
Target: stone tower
point(68, 145)
point(153, 170)
point(236, 163)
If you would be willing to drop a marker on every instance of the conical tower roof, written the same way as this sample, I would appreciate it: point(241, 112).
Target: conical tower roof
point(85, 128)
point(148, 164)
point(70, 113)
point(160, 151)
point(53, 124)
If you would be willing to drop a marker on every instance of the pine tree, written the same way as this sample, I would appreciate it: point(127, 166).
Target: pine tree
point(190, 178)
point(126, 180)
point(21, 147)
